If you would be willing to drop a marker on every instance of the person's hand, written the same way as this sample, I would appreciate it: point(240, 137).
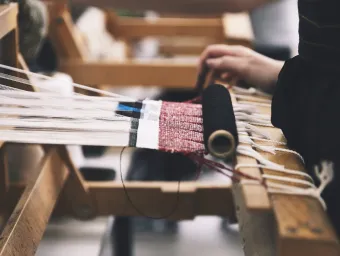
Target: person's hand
point(242, 63)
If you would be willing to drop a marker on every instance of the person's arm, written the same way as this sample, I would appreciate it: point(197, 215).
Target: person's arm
point(243, 64)
point(199, 7)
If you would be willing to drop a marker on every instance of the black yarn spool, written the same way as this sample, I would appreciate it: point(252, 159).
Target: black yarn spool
point(219, 123)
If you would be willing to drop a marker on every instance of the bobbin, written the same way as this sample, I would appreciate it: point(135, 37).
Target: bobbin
point(221, 144)
point(219, 123)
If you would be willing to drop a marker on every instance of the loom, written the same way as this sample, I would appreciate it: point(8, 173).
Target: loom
point(275, 219)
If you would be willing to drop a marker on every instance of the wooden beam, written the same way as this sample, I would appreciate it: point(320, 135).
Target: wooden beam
point(134, 28)
point(254, 213)
point(184, 45)
point(173, 50)
point(155, 199)
point(257, 228)
point(253, 197)
point(64, 36)
point(303, 227)
point(166, 74)
point(301, 220)
point(28, 221)
point(299, 223)
point(8, 18)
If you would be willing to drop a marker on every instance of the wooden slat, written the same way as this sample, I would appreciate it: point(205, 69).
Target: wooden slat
point(254, 213)
point(164, 200)
point(133, 28)
point(28, 221)
point(8, 18)
point(151, 198)
point(173, 50)
point(254, 197)
point(167, 74)
point(184, 45)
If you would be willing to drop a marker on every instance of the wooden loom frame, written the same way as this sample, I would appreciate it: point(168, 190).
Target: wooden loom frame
point(167, 74)
point(57, 184)
point(266, 226)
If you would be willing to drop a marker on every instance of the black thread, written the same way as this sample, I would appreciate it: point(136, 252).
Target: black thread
point(136, 208)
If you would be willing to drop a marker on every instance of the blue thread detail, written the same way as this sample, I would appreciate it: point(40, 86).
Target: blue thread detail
point(122, 107)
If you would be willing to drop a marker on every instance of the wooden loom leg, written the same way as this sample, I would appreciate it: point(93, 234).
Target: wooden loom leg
point(9, 49)
point(256, 227)
point(66, 41)
point(10, 56)
point(28, 221)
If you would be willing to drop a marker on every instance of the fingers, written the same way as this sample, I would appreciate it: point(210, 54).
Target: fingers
point(235, 65)
point(219, 50)
point(230, 78)
point(212, 51)
point(226, 76)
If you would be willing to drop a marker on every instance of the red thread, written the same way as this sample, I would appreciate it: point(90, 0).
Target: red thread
point(180, 128)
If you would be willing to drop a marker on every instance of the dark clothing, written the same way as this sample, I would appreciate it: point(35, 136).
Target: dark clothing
point(306, 102)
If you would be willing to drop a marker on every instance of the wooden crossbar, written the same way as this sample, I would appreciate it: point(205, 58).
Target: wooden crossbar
point(136, 28)
point(231, 28)
point(166, 73)
point(154, 199)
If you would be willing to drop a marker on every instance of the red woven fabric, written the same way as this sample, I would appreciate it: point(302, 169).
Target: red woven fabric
point(182, 108)
point(181, 128)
